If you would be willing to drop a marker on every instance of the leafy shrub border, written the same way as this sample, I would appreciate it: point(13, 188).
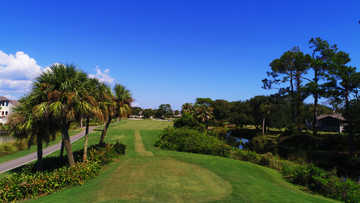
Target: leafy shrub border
point(26, 183)
point(313, 178)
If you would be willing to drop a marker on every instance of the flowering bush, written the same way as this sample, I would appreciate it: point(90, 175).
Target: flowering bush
point(27, 183)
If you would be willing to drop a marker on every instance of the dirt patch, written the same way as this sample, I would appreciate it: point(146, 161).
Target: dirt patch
point(139, 145)
point(163, 180)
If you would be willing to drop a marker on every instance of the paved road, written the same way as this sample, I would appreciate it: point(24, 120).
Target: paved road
point(7, 166)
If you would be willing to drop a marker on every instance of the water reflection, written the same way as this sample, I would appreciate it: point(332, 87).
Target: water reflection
point(236, 141)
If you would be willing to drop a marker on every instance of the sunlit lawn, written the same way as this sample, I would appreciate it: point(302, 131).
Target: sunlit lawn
point(170, 176)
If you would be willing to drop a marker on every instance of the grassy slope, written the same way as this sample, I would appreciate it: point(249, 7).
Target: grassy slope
point(177, 177)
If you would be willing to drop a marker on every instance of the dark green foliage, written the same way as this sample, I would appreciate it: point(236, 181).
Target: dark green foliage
point(149, 113)
point(323, 182)
point(26, 182)
point(190, 140)
point(353, 116)
point(240, 113)
point(164, 111)
point(308, 175)
point(263, 144)
point(136, 110)
point(222, 109)
point(287, 73)
point(204, 101)
point(189, 121)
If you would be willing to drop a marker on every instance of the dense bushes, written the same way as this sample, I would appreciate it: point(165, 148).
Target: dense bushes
point(189, 121)
point(308, 175)
point(190, 140)
point(28, 183)
point(313, 178)
point(12, 147)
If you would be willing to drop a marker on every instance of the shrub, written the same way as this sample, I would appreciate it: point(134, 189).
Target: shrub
point(187, 120)
point(190, 140)
point(27, 183)
point(105, 153)
point(323, 182)
point(308, 175)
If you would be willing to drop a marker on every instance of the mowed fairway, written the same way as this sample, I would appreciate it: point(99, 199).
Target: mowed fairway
point(148, 174)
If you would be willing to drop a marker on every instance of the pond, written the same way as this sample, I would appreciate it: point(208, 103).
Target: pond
point(243, 141)
point(236, 140)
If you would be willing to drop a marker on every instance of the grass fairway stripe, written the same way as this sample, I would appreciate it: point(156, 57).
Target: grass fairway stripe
point(139, 145)
point(170, 176)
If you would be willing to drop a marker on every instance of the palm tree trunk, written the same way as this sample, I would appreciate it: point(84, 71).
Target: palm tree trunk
point(86, 140)
point(103, 134)
point(314, 127)
point(263, 126)
point(62, 149)
point(298, 101)
point(81, 122)
point(67, 145)
point(316, 98)
point(39, 152)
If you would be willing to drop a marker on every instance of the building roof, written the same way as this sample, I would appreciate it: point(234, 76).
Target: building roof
point(13, 102)
point(334, 115)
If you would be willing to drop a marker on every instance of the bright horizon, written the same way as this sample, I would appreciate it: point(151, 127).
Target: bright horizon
point(168, 51)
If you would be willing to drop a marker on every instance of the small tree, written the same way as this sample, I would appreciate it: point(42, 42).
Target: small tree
point(117, 105)
point(164, 111)
point(148, 113)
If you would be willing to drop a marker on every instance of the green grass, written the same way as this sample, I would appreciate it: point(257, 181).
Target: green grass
point(32, 149)
point(168, 176)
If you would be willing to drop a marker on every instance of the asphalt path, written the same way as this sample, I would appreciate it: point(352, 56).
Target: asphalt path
point(15, 163)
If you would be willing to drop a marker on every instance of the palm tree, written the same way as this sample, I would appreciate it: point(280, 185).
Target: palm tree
point(123, 101)
point(96, 90)
point(116, 106)
point(23, 124)
point(203, 113)
point(62, 95)
point(187, 108)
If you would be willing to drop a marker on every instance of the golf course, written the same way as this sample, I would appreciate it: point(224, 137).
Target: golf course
point(148, 174)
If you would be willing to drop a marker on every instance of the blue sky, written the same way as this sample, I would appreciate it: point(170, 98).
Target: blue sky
point(169, 51)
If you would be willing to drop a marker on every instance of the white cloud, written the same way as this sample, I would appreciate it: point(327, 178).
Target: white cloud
point(102, 76)
point(18, 67)
point(17, 73)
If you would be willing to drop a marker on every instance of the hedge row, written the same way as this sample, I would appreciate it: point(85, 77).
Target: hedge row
point(27, 183)
point(190, 140)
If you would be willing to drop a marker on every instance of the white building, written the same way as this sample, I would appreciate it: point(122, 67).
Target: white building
point(6, 106)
